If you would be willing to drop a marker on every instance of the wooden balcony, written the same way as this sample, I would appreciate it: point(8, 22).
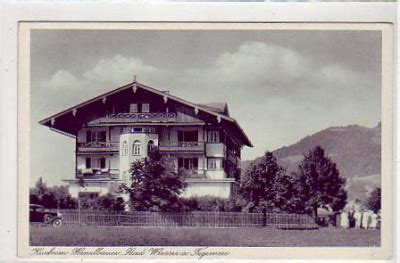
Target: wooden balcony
point(172, 146)
point(97, 173)
point(137, 117)
point(97, 147)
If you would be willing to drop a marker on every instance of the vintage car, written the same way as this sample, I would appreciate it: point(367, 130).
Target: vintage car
point(38, 214)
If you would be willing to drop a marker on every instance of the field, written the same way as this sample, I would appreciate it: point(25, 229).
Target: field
point(152, 236)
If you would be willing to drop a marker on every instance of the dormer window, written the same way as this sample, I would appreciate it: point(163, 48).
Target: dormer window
point(145, 107)
point(133, 108)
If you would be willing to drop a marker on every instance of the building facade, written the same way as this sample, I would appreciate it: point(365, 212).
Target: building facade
point(116, 128)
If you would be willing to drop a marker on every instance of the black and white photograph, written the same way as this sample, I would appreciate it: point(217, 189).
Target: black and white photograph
point(150, 137)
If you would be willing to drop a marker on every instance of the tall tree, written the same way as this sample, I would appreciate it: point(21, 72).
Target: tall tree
point(374, 200)
point(286, 194)
point(155, 184)
point(319, 184)
point(259, 183)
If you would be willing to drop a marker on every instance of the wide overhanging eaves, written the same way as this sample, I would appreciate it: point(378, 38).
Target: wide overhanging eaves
point(52, 120)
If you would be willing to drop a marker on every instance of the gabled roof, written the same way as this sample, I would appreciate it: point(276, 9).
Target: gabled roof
point(219, 107)
point(217, 110)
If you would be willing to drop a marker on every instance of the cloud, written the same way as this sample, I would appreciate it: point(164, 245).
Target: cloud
point(106, 72)
point(120, 69)
point(262, 63)
point(61, 79)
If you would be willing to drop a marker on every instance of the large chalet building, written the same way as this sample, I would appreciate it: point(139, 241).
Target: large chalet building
point(116, 128)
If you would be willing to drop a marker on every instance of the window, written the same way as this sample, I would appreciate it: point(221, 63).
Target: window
point(150, 147)
point(188, 136)
point(102, 163)
point(213, 164)
point(124, 148)
point(188, 163)
point(88, 195)
point(149, 130)
point(136, 149)
point(133, 108)
point(96, 136)
point(102, 136)
point(213, 136)
point(145, 107)
point(88, 163)
point(99, 163)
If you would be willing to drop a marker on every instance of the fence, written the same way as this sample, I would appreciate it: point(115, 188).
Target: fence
point(191, 219)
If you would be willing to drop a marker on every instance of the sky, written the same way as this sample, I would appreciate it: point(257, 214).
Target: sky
point(279, 85)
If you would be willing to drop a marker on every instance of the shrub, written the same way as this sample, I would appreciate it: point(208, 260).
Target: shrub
point(110, 203)
point(209, 204)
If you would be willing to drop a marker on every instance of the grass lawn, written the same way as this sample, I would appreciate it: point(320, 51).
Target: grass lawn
point(242, 237)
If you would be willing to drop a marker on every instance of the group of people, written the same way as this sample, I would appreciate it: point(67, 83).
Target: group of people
point(359, 219)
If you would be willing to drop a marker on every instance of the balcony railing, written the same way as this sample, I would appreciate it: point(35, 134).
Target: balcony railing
point(97, 146)
point(138, 117)
point(172, 146)
point(97, 173)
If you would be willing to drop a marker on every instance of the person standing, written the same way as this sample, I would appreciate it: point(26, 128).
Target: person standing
point(374, 221)
point(365, 219)
point(357, 218)
point(344, 219)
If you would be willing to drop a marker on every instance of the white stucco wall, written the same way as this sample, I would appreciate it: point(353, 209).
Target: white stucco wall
point(215, 174)
point(99, 187)
point(125, 161)
point(215, 150)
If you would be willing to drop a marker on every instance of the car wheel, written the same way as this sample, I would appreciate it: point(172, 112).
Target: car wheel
point(57, 222)
point(47, 218)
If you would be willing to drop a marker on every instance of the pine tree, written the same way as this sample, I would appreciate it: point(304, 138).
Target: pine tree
point(155, 184)
point(319, 184)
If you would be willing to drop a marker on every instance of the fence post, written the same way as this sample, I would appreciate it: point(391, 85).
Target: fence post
point(79, 212)
point(264, 217)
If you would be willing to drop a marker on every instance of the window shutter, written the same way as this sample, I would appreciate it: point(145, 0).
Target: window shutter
point(88, 136)
point(88, 163)
point(180, 136)
point(195, 162)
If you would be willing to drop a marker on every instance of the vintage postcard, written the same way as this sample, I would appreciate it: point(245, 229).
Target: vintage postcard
point(205, 140)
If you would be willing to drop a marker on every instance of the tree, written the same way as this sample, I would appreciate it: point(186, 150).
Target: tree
point(155, 184)
point(319, 184)
point(374, 200)
point(286, 194)
point(51, 197)
point(258, 187)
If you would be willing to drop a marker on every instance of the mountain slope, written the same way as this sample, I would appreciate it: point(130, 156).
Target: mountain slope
point(355, 149)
